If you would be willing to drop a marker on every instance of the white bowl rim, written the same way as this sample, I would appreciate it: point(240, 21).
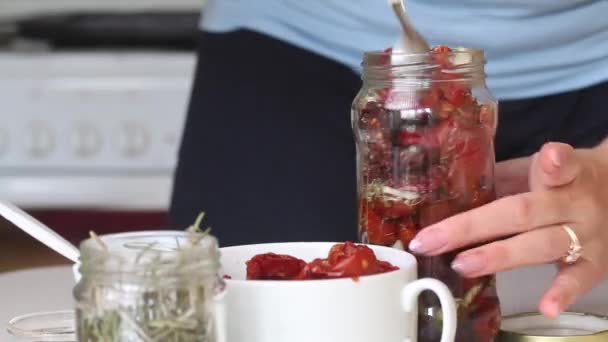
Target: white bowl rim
point(315, 282)
point(294, 283)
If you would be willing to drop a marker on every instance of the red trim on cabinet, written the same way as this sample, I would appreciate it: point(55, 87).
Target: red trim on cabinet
point(74, 225)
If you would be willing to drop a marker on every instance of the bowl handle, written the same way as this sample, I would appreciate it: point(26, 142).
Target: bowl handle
point(409, 303)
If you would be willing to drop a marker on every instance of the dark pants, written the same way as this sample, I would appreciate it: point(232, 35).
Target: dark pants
point(268, 151)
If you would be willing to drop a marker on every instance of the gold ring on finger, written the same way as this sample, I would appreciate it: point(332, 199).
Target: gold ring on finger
point(575, 250)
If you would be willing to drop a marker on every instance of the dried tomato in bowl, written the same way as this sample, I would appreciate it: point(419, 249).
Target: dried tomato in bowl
point(271, 266)
point(345, 260)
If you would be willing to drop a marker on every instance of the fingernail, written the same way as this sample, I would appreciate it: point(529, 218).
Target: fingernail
point(428, 240)
point(554, 308)
point(555, 158)
point(469, 264)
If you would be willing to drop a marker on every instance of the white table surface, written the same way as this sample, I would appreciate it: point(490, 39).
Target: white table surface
point(50, 288)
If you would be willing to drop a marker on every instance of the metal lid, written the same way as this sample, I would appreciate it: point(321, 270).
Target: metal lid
point(44, 326)
point(568, 327)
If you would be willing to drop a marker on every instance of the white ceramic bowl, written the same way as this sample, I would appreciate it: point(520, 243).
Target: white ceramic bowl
point(380, 307)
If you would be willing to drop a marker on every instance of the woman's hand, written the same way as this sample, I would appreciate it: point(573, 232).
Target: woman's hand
point(511, 176)
point(566, 187)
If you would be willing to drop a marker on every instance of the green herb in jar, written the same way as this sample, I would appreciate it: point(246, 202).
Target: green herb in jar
point(149, 286)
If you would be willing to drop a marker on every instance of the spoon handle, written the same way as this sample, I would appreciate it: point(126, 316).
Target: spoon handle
point(415, 40)
point(38, 231)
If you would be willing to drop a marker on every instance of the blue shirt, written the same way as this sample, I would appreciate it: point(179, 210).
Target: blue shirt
point(533, 47)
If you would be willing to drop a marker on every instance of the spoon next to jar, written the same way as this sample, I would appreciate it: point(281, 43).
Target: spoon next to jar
point(38, 231)
point(411, 42)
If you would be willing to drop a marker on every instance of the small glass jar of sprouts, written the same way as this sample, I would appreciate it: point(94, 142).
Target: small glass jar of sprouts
point(150, 286)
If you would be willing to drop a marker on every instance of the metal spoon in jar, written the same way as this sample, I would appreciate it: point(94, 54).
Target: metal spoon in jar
point(38, 231)
point(411, 42)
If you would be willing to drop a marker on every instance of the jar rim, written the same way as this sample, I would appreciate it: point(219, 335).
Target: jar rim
point(455, 52)
point(405, 69)
point(162, 252)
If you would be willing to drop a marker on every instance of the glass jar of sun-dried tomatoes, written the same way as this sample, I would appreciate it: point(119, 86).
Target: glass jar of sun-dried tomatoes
point(424, 127)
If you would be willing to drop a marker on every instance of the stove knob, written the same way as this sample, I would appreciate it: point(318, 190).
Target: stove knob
point(86, 141)
point(41, 140)
point(133, 140)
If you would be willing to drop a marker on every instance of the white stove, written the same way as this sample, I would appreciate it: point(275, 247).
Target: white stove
point(92, 128)
point(11, 9)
